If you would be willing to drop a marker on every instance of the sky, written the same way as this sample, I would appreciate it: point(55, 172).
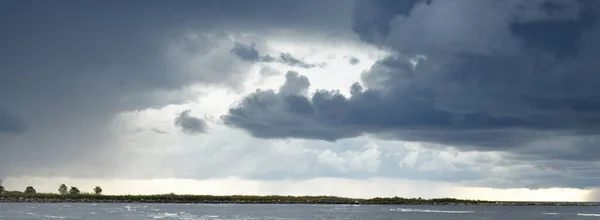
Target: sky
point(486, 99)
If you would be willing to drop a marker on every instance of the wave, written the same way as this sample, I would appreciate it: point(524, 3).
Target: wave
point(129, 208)
point(588, 214)
point(53, 216)
point(50, 216)
point(433, 211)
point(180, 215)
point(550, 213)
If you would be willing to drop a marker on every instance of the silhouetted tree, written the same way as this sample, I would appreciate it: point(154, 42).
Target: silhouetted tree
point(30, 190)
point(62, 189)
point(1, 190)
point(98, 190)
point(74, 190)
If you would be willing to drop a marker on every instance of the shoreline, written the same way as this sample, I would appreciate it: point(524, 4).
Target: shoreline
point(239, 199)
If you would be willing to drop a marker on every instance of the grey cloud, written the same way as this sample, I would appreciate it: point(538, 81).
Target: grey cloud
point(515, 77)
point(413, 26)
point(495, 82)
point(67, 68)
point(267, 71)
point(465, 99)
point(295, 84)
point(138, 130)
point(371, 18)
point(248, 52)
point(353, 60)
point(305, 159)
point(409, 113)
point(159, 131)
point(190, 124)
point(292, 61)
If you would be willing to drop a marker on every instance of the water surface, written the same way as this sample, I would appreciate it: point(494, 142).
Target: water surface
point(10, 211)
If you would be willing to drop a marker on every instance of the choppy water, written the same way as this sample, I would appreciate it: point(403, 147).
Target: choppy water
point(12, 211)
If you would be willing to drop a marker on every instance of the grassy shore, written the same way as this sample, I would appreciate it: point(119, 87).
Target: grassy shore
point(242, 199)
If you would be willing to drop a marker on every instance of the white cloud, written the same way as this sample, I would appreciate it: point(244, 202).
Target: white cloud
point(373, 187)
point(366, 161)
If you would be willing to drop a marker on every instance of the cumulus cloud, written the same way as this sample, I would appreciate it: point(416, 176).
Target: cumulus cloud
point(334, 116)
point(190, 124)
point(248, 52)
point(294, 84)
point(493, 82)
point(465, 98)
point(368, 160)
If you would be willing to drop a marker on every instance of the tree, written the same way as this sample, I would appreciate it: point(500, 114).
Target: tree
point(30, 190)
point(1, 189)
point(97, 190)
point(62, 189)
point(74, 190)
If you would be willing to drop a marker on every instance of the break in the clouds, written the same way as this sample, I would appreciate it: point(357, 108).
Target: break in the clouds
point(480, 93)
point(248, 52)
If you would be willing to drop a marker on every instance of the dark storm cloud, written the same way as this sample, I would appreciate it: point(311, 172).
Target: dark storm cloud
point(68, 67)
point(513, 76)
point(406, 112)
point(505, 76)
point(190, 124)
point(371, 18)
point(248, 52)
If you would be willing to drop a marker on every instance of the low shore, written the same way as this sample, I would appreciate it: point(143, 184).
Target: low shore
point(172, 198)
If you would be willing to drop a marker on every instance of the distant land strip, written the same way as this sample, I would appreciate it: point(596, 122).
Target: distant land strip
point(250, 199)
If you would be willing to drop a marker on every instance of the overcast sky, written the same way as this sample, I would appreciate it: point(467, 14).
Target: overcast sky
point(491, 99)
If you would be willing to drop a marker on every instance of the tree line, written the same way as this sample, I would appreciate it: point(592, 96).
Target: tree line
point(62, 190)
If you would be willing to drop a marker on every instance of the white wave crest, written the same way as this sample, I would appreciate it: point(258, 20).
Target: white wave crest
point(588, 214)
point(53, 216)
point(433, 211)
point(550, 213)
point(180, 215)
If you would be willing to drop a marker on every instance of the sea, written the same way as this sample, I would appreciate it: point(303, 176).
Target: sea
point(107, 211)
